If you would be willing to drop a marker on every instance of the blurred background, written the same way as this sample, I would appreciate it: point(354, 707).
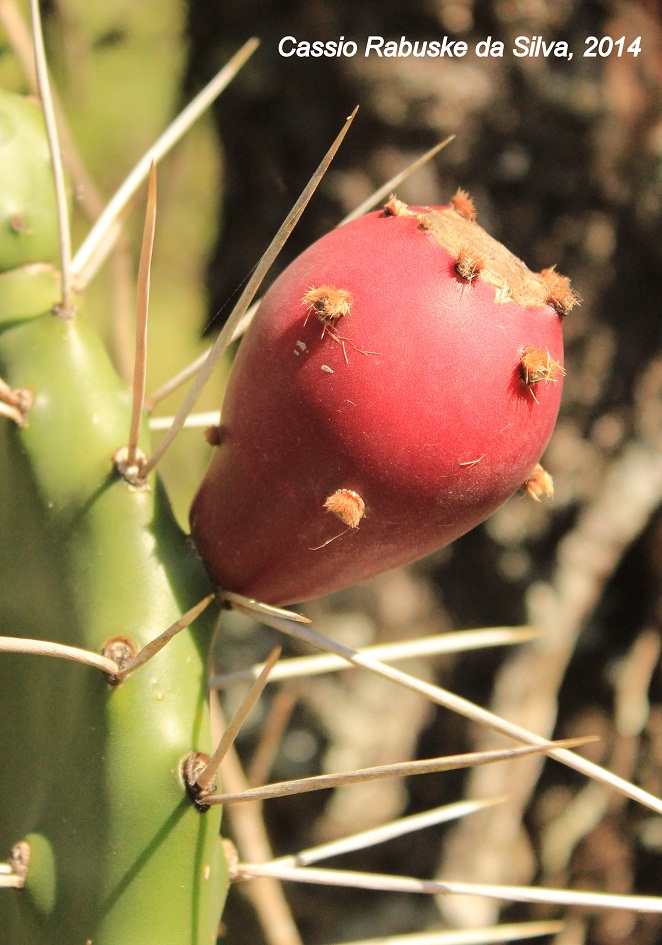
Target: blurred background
point(564, 161)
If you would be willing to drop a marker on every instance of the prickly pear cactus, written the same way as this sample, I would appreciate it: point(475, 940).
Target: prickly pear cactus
point(400, 381)
point(93, 800)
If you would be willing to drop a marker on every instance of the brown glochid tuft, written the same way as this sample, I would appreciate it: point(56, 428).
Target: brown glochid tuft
point(328, 303)
point(464, 205)
point(396, 208)
point(536, 366)
point(468, 264)
point(346, 505)
point(539, 483)
point(560, 294)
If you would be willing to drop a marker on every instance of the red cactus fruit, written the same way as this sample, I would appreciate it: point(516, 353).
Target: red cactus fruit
point(381, 404)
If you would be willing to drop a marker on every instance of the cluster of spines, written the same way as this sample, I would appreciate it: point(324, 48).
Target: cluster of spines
point(470, 262)
point(537, 366)
point(560, 294)
point(328, 303)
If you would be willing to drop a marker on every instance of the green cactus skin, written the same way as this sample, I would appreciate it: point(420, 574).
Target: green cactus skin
point(32, 288)
point(91, 775)
point(28, 214)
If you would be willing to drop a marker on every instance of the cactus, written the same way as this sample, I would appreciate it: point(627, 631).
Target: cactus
point(102, 810)
point(114, 837)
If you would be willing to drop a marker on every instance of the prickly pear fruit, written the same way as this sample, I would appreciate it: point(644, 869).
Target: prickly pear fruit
point(28, 215)
point(400, 381)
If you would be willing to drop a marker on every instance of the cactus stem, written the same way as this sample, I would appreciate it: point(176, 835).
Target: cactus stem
point(66, 308)
point(19, 38)
point(17, 223)
point(101, 238)
point(142, 314)
point(458, 642)
point(156, 645)
point(58, 650)
point(208, 774)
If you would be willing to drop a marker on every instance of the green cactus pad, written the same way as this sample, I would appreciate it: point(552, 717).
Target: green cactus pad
point(95, 771)
point(28, 292)
point(28, 217)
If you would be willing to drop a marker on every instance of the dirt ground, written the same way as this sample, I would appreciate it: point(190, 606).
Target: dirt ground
point(564, 161)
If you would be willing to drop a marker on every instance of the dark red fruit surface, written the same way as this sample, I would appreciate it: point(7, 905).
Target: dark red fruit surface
point(409, 401)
